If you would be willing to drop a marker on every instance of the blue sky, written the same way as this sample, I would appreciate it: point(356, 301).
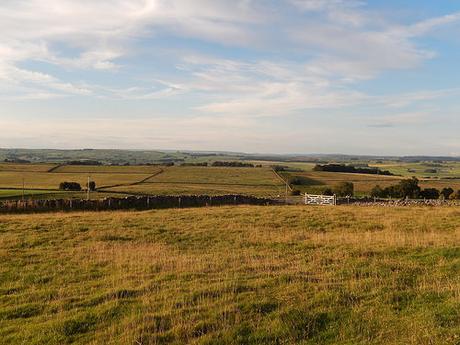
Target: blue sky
point(286, 76)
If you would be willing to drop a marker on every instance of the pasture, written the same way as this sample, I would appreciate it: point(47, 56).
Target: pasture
point(232, 275)
point(133, 180)
point(189, 180)
point(209, 181)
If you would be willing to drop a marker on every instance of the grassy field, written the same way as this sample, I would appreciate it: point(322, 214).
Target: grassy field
point(210, 181)
point(104, 169)
point(8, 193)
point(232, 275)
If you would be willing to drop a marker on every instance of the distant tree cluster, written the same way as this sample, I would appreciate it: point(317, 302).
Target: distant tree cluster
point(410, 188)
point(279, 168)
point(351, 169)
point(202, 164)
point(16, 160)
point(84, 162)
point(232, 164)
point(71, 186)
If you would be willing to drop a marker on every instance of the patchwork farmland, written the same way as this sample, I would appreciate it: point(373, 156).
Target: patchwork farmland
point(140, 180)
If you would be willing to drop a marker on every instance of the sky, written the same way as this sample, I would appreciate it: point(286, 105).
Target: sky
point(286, 76)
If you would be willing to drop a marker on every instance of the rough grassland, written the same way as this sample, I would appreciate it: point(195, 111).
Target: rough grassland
point(232, 275)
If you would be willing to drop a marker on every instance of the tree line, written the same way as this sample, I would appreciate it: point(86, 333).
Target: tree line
point(409, 188)
point(351, 169)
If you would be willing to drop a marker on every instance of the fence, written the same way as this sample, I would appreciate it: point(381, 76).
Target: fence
point(138, 203)
point(311, 199)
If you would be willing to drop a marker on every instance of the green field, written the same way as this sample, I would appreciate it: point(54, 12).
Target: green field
point(8, 193)
point(232, 275)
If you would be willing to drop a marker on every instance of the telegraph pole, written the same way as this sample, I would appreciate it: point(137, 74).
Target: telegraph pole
point(287, 191)
point(23, 191)
point(87, 189)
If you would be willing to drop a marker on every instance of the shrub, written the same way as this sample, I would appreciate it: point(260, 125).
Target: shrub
point(344, 189)
point(430, 193)
point(392, 192)
point(447, 192)
point(73, 186)
point(295, 192)
point(328, 192)
point(378, 192)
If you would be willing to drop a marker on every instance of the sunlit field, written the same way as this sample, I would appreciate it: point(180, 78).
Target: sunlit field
point(232, 275)
point(209, 181)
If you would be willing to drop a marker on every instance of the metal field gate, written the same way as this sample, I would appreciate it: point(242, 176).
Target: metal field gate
point(323, 200)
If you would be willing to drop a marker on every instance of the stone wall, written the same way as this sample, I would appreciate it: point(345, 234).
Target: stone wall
point(137, 203)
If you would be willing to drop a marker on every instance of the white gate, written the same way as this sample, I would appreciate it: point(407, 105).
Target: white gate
point(311, 199)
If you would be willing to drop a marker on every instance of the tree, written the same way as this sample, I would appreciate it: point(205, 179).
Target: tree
point(73, 186)
point(378, 192)
point(344, 189)
point(447, 192)
point(393, 192)
point(409, 188)
point(429, 193)
point(92, 186)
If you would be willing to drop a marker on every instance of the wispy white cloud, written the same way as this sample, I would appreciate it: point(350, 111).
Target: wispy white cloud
point(254, 58)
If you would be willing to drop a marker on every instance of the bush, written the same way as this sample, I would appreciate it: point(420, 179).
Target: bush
point(392, 192)
point(328, 192)
point(295, 192)
point(430, 193)
point(447, 192)
point(73, 186)
point(344, 189)
point(378, 192)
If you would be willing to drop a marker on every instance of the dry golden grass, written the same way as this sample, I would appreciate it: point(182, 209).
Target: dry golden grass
point(113, 169)
point(232, 275)
point(209, 181)
point(41, 180)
